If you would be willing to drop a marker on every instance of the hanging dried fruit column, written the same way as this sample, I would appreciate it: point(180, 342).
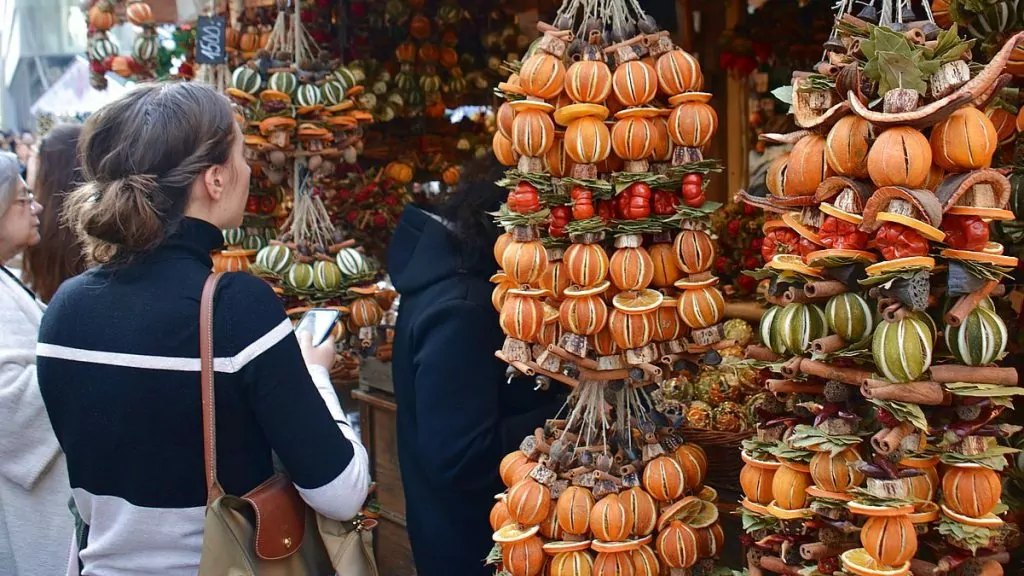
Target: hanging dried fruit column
point(608, 487)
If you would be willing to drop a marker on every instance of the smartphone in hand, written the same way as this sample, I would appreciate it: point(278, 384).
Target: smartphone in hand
point(319, 322)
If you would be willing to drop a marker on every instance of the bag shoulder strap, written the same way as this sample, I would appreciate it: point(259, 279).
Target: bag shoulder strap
point(213, 488)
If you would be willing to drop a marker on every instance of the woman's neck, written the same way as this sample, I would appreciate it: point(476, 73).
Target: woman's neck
point(7, 253)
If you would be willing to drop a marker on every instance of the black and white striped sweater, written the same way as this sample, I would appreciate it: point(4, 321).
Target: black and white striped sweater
point(118, 364)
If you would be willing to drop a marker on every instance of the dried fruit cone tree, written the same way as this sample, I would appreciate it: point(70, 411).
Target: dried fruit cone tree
point(879, 448)
point(297, 110)
point(605, 286)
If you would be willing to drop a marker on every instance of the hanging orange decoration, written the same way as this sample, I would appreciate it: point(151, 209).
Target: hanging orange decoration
point(587, 140)
point(533, 133)
point(542, 76)
point(692, 124)
point(678, 72)
point(588, 81)
point(635, 83)
point(633, 138)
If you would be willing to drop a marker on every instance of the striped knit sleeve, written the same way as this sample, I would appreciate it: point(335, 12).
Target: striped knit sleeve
point(295, 404)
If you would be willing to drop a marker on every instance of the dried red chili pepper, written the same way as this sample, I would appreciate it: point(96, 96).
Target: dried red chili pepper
point(965, 232)
point(693, 190)
point(524, 199)
point(639, 202)
point(840, 234)
point(582, 203)
point(899, 241)
point(665, 203)
point(785, 241)
point(605, 210)
point(560, 217)
point(622, 204)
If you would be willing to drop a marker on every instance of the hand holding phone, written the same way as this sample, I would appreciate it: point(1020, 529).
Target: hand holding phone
point(319, 322)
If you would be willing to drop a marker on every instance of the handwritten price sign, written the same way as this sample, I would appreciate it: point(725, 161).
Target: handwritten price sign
point(210, 40)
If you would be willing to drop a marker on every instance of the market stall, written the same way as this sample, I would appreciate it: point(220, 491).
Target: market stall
point(789, 256)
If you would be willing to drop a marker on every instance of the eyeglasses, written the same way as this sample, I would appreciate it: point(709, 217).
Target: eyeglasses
point(27, 199)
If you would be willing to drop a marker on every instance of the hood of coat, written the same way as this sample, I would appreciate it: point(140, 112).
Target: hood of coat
point(424, 251)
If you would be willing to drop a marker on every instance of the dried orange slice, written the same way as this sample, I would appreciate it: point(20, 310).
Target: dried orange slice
point(706, 516)
point(640, 112)
point(859, 562)
point(771, 464)
point(793, 263)
point(993, 248)
point(530, 292)
point(513, 533)
point(988, 213)
point(708, 494)
point(566, 114)
point(498, 278)
point(927, 230)
point(755, 507)
point(816, 259)
point(685, 284)
point(612, 547)
point(686, 507)
point(564, 546)
point(815, 492)
point(868, 510)
point(926, 512)
point(911, 262)
point(986, 521)
point(365, 290)
point(511, 88)
point(521, 105)
point(840, 214)
point(984, 257)
point(639, 301)
point(783, 514)
point(678, 99)
point(770, 225)
point(579, 292)
point(669, 302)
point(920, 462)
point(792, 219)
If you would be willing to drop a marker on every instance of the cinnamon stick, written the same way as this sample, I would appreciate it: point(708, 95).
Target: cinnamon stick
point(775, 564)
point(844, 374)
point(887, 440)
point(826, 69)
point(923, 393)
point(968, 302)
point(795, 295)
point(569, 357)
point(980, 375)
point(824, 288)
point(650, 369)
point(922, 568)
point(819, 550)
point(522, 367)
point(828, 344)
point(589, 374)
point(895, 312)
point(761, 353)
point(791, 387)
point(749, 311)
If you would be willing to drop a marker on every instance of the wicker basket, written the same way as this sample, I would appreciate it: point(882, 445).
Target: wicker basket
point(723, 451)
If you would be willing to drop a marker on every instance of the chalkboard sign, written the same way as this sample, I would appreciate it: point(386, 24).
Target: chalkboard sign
point(210, 41)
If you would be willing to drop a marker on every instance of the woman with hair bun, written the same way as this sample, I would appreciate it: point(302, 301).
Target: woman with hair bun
point(119, 364)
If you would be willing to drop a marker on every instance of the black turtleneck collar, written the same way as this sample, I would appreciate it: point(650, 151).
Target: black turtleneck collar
point(195, 237)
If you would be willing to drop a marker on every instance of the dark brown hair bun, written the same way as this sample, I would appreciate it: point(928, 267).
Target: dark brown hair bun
point(140, 156)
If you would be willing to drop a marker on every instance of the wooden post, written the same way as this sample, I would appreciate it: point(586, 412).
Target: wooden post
point(735, 126)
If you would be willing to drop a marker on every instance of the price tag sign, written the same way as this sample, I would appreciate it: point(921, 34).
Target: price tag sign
point(210, 40)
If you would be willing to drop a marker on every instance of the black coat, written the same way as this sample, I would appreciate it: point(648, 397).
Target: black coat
point(457, 414)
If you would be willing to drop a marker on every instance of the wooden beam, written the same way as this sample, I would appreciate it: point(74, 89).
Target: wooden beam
point(735, 124)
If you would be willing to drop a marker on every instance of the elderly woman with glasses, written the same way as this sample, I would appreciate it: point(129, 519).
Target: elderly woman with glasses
point(35, 524)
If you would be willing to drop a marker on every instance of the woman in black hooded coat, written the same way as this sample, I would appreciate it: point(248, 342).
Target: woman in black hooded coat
point(457, 413)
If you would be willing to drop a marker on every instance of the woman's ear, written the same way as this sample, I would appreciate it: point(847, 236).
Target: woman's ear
point(213, 179)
